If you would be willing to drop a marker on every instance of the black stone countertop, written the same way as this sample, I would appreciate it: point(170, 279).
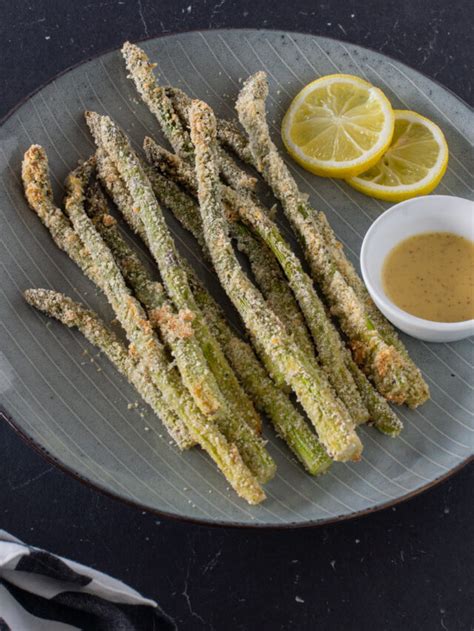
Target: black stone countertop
point(408, 567)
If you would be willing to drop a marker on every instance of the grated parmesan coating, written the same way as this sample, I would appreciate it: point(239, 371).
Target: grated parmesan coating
point(140, 334)
point(330, 417)
point(265, 257)
point(264, 266)
point(386, 366)
point(157, 100)
point(162, 246)
point(73, 314)
point(185, 349)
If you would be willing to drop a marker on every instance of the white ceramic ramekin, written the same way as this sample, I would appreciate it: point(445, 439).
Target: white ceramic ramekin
point(431, 213)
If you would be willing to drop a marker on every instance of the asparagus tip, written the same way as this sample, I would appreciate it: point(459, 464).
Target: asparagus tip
point(34, 173)
point(29, 295)
point(255, 87)
point(92, 119)
point(37, 296)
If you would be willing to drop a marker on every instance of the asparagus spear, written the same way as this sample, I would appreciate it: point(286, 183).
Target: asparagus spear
point(39, 195)
point(139, 330)
point(330, 417)
point(381, 414)
point(73, 314)
point(175, 327)
point(231, 137)
point(348, 271)
point(225, 455)
point(264, 266)
point(163, 249)
point(388, 368)
point(141, 72)
point(267, 398)
point(331, 351)
point(112, 182)
point(187, 212)
point(275, 289)
point(228, 132)
point(288, 422)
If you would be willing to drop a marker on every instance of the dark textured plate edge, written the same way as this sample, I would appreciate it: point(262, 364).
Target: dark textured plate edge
point(174, 516)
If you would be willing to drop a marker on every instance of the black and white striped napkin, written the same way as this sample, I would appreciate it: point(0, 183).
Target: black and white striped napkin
point(43, 592)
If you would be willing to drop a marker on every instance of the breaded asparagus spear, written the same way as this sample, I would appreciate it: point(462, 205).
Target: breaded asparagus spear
point(175, 327)
point(141, 72)
point(229, 135)
point(73, 314)
point(139, 330)
point(265, 268)
point(187, 212)
point(225, 455)
point(162, 246)
point(288, 422)
point(331, 350)
point(39, 195)
point(228, 132)
point(268, 399)
point(330, 417)
point(398, 380)
point(348, 271)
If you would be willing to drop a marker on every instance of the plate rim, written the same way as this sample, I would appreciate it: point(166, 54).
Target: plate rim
point(218, 523)
point(107, 51)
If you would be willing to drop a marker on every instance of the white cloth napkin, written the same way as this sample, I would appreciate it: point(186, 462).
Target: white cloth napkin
point(43, 592)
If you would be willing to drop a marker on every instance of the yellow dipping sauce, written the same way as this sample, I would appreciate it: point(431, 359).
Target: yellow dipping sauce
point(431, 275)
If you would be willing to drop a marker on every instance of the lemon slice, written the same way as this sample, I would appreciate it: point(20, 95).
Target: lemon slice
point(338, 126)
point(413, 165)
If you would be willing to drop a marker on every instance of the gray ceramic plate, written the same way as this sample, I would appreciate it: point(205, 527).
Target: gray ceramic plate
point(73, 405)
